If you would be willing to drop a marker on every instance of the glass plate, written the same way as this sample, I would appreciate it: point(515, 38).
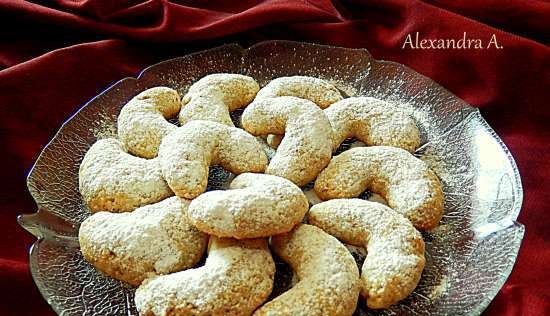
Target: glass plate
point(469, 256)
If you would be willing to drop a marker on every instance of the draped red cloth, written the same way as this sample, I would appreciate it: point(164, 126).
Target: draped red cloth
point(57, 54)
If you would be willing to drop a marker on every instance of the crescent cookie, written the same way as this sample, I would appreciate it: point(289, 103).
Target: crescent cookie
point(142, 121)
point(110, 179)
point(256, 205)
point(320, 92)
point(153, 239)
point(328, 275)
point(405, 182)
point(395, 249)
point(186, 154)
point(374, 122)
point(214, 96)
point(306, 148)
point(236, 278)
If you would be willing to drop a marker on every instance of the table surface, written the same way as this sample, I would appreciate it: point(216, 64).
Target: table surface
point(56, 55)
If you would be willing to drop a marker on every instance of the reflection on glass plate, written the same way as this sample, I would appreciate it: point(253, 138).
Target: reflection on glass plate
point(469, 256)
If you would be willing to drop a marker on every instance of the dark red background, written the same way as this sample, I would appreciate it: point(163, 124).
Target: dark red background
point(55, 55)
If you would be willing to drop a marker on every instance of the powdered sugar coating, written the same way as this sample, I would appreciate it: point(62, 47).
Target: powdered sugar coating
point(152, 240)
point(395, 249)
point(214, 96)
point(318, 91)
point(374, 122)
point(236, 278)
point(186, 154)
point(142, 121)
point(110, 179)
point(328, 275)
point(307, 146)
point(406, 182)
point(256, 205)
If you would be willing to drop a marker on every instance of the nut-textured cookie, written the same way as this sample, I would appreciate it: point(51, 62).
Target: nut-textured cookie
point(214, 96)
point(406, 182)
point(142, 121)
point(236, 278)
point(328, 275)
point(256, 205)
point(374, 122)
point(152, 240)
point(110, 179)
point(395, 249)
point(306, 148)
point(187, 153)
point(318, 91)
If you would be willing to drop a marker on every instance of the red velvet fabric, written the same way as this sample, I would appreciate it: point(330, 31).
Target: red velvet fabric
point(57, 54)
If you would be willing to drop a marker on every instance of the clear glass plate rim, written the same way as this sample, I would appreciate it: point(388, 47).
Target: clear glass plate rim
point(24, 220)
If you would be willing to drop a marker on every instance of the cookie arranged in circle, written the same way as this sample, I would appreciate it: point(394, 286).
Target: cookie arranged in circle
point(306, 148)
point(111, 179)
point(152, 240)
point(186, 154)
point(405, 182)
point(142, 122)
point(236, 278)
point(318, 91)
point(213, 97)
point(255, 205)
point(328, 278)
point(395, 249)
point(374, 122)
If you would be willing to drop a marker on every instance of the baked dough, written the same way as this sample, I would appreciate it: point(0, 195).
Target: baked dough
point(318, 91)
point(256, 205)
point(213, 97)
point(405, 182)
point(152, 240)
point(395, 249)
point(328, 275)
point(236, 278)
point(306, 148)
point(110, 179)
point(374, 122)
point(142, 121)
point(186, 154)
